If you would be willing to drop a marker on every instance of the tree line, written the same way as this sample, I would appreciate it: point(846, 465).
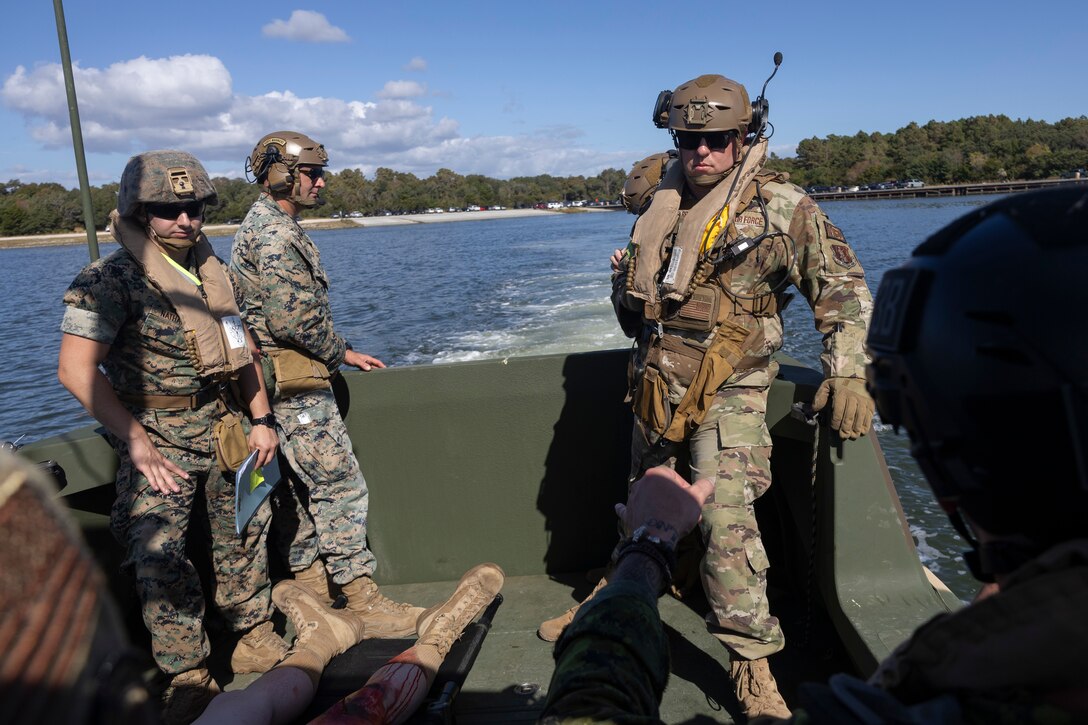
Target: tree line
point(976, 149)
point(27, 209)
point(970, 150)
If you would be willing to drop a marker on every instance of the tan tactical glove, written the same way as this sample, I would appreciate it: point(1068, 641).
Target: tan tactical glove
point(851, 405)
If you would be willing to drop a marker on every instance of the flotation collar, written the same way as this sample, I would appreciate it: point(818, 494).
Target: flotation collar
point(660, 224)
point(209, 314)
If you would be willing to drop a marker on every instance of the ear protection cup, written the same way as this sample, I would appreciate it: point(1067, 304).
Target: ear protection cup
point(275, 169)
point(761, 109)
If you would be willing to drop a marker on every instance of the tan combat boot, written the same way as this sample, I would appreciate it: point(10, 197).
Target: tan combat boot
point(441, 625)
point(756, 690)
point(187, 695)
point(322, 633)
point(478, 586)
point(383, 617)
point(258, 650)
point(551, 629)
point(316, 579)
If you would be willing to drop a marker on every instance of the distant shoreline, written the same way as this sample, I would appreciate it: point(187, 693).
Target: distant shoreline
point(225, 230)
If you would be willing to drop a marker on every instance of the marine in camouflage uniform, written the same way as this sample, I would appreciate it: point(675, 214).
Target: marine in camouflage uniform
point(286, 295)
point(148, 359)
point(287, 305)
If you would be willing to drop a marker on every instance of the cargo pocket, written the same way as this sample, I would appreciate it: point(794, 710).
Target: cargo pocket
point(651, 401)
point(757, 555)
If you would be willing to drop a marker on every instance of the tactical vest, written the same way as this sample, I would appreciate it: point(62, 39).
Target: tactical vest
point(690, 296)
point(212, 324)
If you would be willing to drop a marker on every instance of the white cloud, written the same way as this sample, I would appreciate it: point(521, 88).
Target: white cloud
point(307, 26)
point(188, 102)
point(416, 64)
point(402, 89)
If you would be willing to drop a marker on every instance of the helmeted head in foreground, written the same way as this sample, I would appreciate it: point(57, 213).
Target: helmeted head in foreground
point(643, 179)
point(163, 177)
point(980, 350)
point(711, 112)
point(275, 159)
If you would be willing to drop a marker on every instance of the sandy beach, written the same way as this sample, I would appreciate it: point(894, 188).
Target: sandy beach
point(223, 230)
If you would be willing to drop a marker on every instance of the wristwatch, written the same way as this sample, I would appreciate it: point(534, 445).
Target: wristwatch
point(643, 542)
point(268, 420)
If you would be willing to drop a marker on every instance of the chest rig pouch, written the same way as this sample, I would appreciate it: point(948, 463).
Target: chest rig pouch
point(698, 368)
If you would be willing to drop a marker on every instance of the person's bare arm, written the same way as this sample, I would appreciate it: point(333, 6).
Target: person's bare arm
point(255, 396)
point(77, 369)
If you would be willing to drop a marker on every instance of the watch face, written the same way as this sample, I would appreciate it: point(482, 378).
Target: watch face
point(641, 534)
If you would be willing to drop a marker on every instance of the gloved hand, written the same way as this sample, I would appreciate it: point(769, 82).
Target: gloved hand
point(851, 405)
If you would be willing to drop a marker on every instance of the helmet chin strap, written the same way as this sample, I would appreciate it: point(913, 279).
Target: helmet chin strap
point(173, 245)
point(708, 179)
point(296, 192)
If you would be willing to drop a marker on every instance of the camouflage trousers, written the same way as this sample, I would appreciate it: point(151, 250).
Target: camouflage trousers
point(325, 510)
point(152, 527)
point(732, 447)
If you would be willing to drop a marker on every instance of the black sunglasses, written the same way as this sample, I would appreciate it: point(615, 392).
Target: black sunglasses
point(315, 172)
point(691, 140)
point(191, 209)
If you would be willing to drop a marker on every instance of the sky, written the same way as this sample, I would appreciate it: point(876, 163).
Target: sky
point(506, 89)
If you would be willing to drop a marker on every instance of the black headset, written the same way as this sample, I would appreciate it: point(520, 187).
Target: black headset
point(275, 169)
point(761, 109)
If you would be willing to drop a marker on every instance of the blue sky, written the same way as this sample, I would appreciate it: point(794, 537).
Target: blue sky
point(507, 89)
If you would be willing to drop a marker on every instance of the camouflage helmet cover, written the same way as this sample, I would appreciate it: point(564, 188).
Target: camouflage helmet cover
point(643, 180)
point(710, 103)
point(163, 177)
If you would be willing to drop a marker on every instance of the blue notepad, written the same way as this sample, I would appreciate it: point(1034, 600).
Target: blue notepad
point(251, 488)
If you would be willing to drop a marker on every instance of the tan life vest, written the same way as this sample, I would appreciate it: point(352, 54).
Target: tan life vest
point(674, 361)
point(655, 228)
point(214, 334)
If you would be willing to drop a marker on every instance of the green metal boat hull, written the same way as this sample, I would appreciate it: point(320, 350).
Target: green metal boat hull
point(519, 461)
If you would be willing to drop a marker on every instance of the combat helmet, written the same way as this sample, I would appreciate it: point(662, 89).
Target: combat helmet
point(163, 177)
point(975, 353)
point(275, 158)
point(642, 182)
point(707, 103)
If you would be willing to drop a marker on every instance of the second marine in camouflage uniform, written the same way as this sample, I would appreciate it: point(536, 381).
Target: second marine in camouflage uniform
point(286, 303)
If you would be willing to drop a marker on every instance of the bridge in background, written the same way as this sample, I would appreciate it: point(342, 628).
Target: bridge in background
point(997, 187)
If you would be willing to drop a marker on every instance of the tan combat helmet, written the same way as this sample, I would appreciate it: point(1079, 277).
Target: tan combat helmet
point(163, 177)
point(275, 158)
point(643, 180)
point(710, 103)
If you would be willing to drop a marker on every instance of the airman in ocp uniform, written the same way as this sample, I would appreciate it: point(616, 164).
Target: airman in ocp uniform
point(161, 317)
point(702, 286)
point(952, 353)
point(287, 303)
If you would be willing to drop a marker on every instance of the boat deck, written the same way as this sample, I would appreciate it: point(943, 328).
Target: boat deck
point(508, 682)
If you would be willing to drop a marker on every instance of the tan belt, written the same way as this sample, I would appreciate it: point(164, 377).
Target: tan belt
point(172, 402)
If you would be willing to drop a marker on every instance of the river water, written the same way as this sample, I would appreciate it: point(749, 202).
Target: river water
point(437, 293)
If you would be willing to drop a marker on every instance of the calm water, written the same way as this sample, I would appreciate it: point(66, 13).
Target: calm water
point(437, 293)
